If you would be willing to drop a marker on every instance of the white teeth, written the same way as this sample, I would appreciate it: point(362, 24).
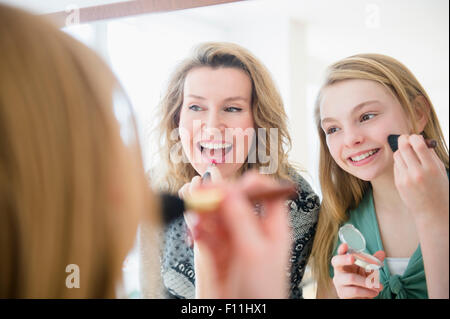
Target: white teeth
point(363, 156)
point(215, 146)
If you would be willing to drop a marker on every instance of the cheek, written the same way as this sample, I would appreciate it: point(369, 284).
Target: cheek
point(186, 141)
point(239, 120)
point(190, 124)
point(245, 133)
point(243, 139)
point(334, 147)
point(249, 121)
point(185, 129)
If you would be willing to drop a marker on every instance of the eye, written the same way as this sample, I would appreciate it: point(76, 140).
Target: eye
point(367, 116)
point(232, 109)
point(331, 130)
point(195, 108)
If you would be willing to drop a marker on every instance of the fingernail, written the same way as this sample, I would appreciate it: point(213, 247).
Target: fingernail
point(351, 259)
point(192, 218)
point(206, 177)
point(195, 233)
point(189, 238)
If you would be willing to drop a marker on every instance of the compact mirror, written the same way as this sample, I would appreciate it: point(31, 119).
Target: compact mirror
point(352, 237)
point(356, 242)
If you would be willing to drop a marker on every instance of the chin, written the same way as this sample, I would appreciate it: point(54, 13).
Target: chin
point(368, 176)
point(199, 168)
point(365, 178)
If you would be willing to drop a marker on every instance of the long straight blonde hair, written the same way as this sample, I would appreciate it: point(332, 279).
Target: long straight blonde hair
point(342, 191)
point(267, 108)
point(56, 155)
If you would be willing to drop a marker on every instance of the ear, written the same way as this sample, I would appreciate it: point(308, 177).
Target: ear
point(422, 112)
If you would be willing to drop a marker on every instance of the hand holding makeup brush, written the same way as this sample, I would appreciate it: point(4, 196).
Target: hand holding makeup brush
point(422, 182)
point(202, 260)
point(248, 254)
point(212, 175)
point(421, 179)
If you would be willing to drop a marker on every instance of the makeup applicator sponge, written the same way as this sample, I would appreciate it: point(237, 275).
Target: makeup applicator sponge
point(393, 142)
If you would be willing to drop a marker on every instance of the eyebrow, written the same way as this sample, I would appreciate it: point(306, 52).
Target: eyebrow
point(355, 109)
point(196, 96)
point(229, 99)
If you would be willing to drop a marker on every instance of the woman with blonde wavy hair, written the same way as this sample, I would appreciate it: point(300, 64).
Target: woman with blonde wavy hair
point(397, 199)
point(221, 116)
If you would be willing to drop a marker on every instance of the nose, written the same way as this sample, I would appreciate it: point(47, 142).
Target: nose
point(353, 137)
point(214, 124)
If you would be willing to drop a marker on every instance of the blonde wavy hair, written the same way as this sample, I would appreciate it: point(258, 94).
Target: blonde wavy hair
point(58, 139)
point(267, 108)
point(342, 191)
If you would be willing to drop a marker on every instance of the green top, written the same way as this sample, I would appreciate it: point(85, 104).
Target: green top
point(412, 283)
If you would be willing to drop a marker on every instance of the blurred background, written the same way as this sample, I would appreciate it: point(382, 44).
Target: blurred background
point(295, 39)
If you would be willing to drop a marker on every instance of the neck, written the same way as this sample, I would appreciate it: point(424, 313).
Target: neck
point(385, 194)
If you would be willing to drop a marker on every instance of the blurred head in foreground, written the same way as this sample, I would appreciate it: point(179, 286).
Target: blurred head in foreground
point(72, 186)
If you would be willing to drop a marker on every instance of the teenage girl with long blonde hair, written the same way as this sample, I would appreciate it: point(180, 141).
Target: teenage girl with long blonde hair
point(398, 201)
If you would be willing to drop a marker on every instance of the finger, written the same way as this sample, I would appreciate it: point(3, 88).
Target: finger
point(380, 255)
point(421, 149)
point(238, 217)
point(438, 162)
point(351, 279)
point(408, 154)
point(189, 238)
point(275, 224)
point(355, 292)
point(340, 261)
point(343, 248)
point(182, 192)
point(399, 162)
point(207, 230)
point(191, 219)
point(218, 245)
point(195, 183)
point(400, 169)
point(215, 174)
point(253, 180)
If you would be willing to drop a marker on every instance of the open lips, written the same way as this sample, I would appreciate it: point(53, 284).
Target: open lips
point(363, 156)
point(215, 150)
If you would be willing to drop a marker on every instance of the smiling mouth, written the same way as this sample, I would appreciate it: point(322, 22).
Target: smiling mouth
point(214, 149)
point(361, 157)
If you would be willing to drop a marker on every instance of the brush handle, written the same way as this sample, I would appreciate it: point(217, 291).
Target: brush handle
point(172, 207)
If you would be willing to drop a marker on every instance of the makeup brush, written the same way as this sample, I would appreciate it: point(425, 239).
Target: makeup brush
point(393, 142)
point(208, 199)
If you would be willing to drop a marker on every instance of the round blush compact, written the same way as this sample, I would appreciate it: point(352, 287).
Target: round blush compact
point(356, 242)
